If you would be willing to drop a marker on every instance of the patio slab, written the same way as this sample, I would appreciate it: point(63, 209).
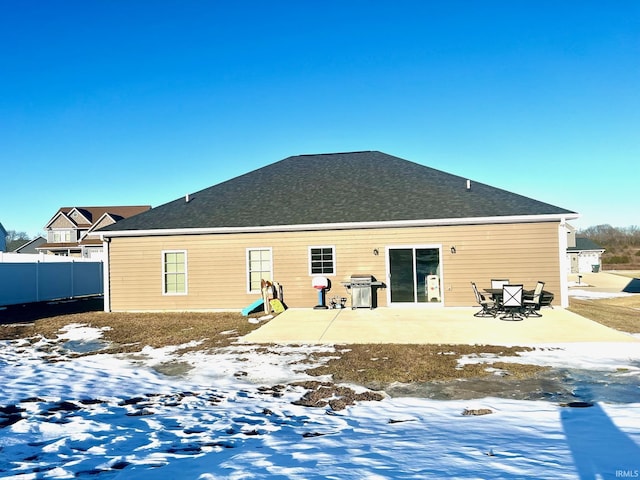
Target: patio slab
point(429, 326)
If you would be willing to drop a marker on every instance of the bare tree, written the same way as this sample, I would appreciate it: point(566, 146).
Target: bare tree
point(16, 239)
point(13, 236)
point(608, 236)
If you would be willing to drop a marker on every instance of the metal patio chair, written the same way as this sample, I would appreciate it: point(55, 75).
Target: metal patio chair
point(488, 309)
point(531, 303)
point(499, 283)
point(512, 302)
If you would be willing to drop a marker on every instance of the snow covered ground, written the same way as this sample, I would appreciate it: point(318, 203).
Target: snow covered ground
point(230, 415)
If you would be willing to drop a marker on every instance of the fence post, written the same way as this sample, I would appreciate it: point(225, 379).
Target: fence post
point(38, 281)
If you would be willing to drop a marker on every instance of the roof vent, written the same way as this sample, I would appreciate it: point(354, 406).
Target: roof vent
point(468, 185)
point(187, 198)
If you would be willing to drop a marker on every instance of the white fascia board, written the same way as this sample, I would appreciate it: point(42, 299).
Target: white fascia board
point(97, 222)
point(339, 226)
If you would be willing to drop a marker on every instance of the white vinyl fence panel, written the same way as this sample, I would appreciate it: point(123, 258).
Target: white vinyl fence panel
point(37, 280)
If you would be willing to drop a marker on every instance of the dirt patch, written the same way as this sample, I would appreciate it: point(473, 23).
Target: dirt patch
point(321, 394)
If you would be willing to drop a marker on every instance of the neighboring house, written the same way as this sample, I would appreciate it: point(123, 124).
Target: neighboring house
point(68, 229)
point(31, 246)
point(583, 254)
point(3, 239)
point(425, 234)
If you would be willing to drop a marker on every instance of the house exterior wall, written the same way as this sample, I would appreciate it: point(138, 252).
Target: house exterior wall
point(589, 261)
point(62, 223)
point(3, 239)
point(217, 265)
point(103, 222)
point(571, 236)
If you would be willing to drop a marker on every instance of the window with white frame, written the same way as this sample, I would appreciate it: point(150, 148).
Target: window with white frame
point(61, 236)
point(174, 272)
point(259, 267)
point(322, 260)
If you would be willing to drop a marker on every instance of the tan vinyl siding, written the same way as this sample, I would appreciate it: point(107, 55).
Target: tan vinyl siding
point(217, 270)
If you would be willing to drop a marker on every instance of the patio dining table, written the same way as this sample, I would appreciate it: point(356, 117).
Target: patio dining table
point(496, 296)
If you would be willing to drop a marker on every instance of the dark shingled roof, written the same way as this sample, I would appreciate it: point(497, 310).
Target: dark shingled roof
point(335, 188)
point(584, 243)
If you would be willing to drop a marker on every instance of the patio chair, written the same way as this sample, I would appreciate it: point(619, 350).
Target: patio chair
point(512, 302)
point(488, 307)
point(546, 298)
point(497, 283)
point(531, 303)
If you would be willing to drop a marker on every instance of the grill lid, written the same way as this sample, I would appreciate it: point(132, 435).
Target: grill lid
point(361, 278)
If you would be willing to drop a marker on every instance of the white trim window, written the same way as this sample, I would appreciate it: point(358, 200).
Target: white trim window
point(174, 272)
point(259, 267)
point(322, 260)
point(61, 236)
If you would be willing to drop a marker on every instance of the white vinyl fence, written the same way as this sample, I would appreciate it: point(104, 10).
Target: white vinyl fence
point(36, 278)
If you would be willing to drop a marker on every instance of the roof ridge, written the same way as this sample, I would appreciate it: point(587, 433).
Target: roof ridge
point(335, 153)
point(105, 206)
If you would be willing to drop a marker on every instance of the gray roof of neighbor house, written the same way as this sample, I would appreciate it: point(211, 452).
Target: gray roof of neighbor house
point(583, 243)
point(335, 188)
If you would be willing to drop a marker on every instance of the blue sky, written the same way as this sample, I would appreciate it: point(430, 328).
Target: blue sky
point(140, 102)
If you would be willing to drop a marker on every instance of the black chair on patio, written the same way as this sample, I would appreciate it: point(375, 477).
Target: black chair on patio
point(489, 308)
point(531, 303)
point(512, 302)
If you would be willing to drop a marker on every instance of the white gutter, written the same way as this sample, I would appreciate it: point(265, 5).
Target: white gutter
point(563, 243)
point(105, 277)
point(339, 226)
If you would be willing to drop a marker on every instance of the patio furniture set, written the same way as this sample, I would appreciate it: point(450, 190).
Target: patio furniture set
point(511, 301)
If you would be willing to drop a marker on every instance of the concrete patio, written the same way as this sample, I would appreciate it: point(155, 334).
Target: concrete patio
point(429, 326)
point(443, 325)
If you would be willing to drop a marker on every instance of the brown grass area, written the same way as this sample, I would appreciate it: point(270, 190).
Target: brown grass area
point(621, 313)
point(130, 332)
point(377, 365)
point(373, 365)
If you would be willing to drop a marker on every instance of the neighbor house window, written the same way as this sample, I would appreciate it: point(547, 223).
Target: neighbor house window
point(61, 236)
point(174, 272)
point(259, 267)
point(322, 261)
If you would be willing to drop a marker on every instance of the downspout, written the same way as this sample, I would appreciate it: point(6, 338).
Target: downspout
point(105, 274)
point(563, 243)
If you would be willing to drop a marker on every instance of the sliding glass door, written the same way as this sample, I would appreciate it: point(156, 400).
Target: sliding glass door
point(414, 274)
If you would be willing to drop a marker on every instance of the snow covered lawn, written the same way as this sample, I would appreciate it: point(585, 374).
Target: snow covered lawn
point(231, 415)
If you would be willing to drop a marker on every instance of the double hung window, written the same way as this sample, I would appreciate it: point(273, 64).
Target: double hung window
point(61, 236)
point(174, 272)
point(259, 267)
